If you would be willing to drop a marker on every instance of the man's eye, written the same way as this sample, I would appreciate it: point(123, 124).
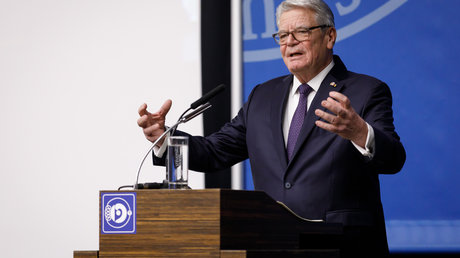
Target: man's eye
point(282, 35)
point(303, 32)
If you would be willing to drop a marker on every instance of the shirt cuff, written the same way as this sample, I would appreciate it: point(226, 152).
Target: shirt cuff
point(159, 151)
point(370, 143)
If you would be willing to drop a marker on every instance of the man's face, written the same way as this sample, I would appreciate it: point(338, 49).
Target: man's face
point(306, 58)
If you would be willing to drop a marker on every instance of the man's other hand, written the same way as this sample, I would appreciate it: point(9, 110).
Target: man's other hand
point(153, 124)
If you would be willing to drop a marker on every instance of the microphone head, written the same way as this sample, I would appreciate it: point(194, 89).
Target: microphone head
point(208, 96)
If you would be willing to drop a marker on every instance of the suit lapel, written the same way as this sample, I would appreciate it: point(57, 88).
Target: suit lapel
point(277, 116)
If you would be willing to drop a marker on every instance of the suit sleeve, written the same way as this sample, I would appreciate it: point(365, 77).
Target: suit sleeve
point(389, 153)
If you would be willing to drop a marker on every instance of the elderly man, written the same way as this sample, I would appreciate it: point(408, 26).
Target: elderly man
point(317, 139)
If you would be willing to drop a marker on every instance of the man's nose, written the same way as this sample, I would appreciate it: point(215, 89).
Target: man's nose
point(291, 40)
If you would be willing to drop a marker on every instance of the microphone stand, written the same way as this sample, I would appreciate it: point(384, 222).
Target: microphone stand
point(183, 119)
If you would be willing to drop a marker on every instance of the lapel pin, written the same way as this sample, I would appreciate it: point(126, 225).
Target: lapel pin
point(333, 84)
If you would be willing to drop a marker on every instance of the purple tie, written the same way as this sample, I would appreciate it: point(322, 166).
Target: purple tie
point(297, 119)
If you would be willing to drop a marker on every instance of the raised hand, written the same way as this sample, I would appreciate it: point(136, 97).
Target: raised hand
point(153, 124)
point(344, 121)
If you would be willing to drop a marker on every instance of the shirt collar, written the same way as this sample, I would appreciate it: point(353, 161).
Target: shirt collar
point(316, 81)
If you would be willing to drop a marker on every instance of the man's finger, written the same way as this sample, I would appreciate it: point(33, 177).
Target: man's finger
point(150, 131)
point(332, 105)
point(326, 116)
point(142, 109)
point(340, 98)
point(326, 126)
point(143, 121)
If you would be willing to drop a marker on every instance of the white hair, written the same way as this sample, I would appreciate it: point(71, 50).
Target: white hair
point(324, 15)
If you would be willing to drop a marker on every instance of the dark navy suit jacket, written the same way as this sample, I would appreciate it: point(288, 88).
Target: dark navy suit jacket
point(327, 177)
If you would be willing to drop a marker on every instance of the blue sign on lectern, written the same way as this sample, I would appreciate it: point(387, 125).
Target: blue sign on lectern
point(118, 211)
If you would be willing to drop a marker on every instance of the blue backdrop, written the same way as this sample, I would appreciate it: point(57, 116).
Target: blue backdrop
point(413, 46)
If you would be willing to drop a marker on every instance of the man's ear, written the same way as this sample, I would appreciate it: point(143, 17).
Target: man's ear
point(331, 36)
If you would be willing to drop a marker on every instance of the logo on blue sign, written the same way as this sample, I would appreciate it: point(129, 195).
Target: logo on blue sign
point(118, 212)
point(259, 23)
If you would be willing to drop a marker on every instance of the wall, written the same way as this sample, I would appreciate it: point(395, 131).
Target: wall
point(72, 75)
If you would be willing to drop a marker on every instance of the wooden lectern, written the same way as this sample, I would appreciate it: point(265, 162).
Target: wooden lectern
point(215, 223)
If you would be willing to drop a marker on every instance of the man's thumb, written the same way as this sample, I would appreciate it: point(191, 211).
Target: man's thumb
point(165, 107)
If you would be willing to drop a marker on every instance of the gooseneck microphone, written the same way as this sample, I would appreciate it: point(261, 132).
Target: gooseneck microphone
point(199, 107)
point(201, 101)
point(208, 96)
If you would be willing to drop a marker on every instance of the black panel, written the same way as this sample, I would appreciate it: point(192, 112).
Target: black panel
point(216, 69)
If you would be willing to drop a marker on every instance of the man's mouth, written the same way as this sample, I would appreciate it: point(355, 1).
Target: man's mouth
point(295, 54)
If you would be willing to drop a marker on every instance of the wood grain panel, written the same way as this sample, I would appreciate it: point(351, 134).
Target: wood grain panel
point(232, 253)
point(170, 222)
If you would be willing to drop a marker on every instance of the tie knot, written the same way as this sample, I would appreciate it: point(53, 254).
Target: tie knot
point(304, 89)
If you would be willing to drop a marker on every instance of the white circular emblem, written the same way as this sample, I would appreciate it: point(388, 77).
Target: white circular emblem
point(117, 212)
